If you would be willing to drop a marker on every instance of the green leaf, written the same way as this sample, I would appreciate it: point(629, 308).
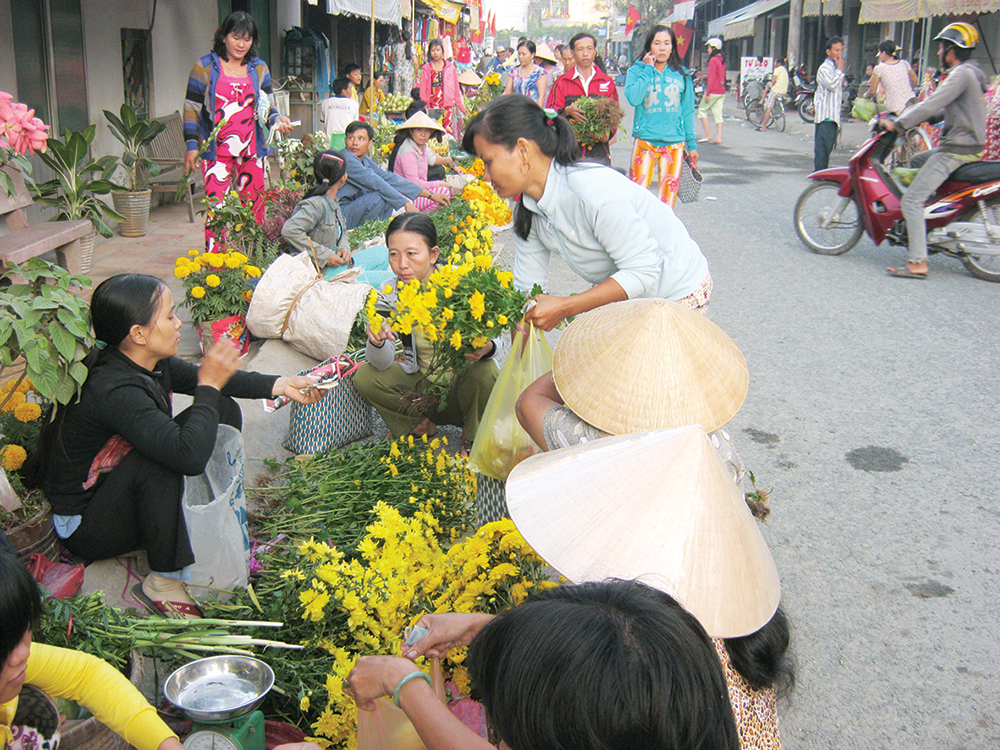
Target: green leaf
point(78, 371)
point(65, 390)
point(63, 340)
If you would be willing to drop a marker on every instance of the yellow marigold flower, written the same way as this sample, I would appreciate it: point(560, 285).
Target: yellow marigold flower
point(198, 292)
point(193, 253)
point(15, 400)
point(252, 272)
point(502, 320)
point(456, 340)
point(12, 457)
point(232, 262)
point(479, 342)
point(182, 261)
point(212, 280)
point(477, 305)
point(27, 412)
point(215, 260)
point(182, 272)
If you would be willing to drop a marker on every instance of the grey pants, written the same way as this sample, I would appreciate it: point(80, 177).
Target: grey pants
point(934, 166)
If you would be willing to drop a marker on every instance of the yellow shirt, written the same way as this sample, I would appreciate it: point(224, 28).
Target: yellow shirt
point(64, 673)
point(366, 100)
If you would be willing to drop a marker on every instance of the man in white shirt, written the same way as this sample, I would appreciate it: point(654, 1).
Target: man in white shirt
point(337, 112)
point(828, 99)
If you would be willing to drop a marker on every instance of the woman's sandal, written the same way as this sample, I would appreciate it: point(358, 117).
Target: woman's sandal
point(172, 610)
point(904, 272)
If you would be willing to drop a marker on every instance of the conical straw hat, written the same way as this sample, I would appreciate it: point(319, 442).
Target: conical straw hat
point(469, 78)
point(545, 52)
point(648, 364)
point(658, 506)
point(421, 120)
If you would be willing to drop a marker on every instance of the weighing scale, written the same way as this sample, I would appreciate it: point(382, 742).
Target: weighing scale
point(220, 694)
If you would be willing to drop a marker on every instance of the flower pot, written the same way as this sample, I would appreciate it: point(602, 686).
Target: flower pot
point(233, 328)
point(134, 206)
point(36, 534)
point(87, 251)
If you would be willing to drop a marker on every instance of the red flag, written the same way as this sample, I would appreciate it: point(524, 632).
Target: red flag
point(477, 34)
point(631, 19)
point(684, 34)
point(493, 23)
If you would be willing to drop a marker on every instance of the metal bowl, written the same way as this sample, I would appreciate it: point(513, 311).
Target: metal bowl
point(219, 688)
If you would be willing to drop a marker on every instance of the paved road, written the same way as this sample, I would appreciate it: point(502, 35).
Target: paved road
point(872, 414)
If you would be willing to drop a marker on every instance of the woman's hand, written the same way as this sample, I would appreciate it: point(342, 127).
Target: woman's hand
point(283, 125)
point(339, 258)
point(445, 632)
point(409, 207)
point(375, 676)
point(547, 312)
point(480, 353)
point(446, 161)
point(219, 364)
point(442, 199)
point(380, 337)
point(693, 158)
point(648, 58)
point(291, 387)
point(191, 160)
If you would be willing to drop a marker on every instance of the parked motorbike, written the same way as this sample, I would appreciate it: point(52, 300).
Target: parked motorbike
point(963, 220)
point(699, 86)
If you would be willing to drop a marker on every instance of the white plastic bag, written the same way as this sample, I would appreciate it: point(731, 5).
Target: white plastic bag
point(216, 516)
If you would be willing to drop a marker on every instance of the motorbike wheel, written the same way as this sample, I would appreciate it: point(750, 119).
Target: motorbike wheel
point(807, 109)
point(813, 211)
point(985, 267)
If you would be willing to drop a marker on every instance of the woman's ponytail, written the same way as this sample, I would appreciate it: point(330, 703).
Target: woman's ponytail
point(328, 167)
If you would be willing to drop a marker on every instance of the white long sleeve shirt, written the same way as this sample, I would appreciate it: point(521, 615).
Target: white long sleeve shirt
point(829, 91)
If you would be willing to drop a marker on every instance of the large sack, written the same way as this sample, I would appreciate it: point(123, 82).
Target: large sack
point(276, 291)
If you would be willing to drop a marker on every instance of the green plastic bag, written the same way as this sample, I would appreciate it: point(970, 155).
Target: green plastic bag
point(864, 109)
point(501, 443)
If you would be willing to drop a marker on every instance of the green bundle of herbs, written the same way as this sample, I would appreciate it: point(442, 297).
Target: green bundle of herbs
point(370, 230)
point(603, 116)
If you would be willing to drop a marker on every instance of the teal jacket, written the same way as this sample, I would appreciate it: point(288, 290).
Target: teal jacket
point(664, 105)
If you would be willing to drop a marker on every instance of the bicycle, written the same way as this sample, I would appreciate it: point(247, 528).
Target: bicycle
point(755, 114)
point(753, 89)
point(908, 145)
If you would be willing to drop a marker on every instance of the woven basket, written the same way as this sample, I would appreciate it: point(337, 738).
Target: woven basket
point(91, 734)
point(491, 499)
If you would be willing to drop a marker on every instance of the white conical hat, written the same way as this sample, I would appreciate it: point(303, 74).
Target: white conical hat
point(658, 506)
point(421, 120)
point(545, 52)
point(648, 364)
point(468, 77)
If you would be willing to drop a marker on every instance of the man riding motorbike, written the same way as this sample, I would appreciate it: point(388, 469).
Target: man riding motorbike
point(960, 97)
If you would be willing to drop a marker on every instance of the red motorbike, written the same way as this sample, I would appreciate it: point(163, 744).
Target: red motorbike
point(963, 218)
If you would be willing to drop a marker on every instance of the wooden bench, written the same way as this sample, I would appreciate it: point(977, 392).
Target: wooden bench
point(24, 241)
point(168, 150)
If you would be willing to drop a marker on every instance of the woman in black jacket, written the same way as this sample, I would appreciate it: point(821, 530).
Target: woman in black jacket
point(113, 464)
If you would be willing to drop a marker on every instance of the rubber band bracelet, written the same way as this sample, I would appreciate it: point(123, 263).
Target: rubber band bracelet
point(411, 676)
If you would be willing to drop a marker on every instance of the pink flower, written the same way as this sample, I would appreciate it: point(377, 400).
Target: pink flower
point(19, 128)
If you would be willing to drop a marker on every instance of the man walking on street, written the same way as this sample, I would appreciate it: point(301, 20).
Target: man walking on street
point(960, 97)
point(583, 79)
point(829, 99)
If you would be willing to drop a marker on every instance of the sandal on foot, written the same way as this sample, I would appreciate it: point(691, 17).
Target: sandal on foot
point(705, 140)
point(171, 609)
point(904, 272)
point(761, 129)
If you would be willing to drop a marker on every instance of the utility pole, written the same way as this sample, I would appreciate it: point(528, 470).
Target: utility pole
point(794, 34)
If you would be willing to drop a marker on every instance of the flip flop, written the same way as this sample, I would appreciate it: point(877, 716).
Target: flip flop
point(903, 272)
point(172, 610)
point(761, 129)
point(705, 140)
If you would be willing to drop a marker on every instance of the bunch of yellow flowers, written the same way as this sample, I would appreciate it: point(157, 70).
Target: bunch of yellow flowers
point(486, 204)
point(21, 410)
point(216, 284)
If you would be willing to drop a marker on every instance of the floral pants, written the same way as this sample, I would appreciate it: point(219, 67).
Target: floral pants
point(245, 175)
point(668, 159)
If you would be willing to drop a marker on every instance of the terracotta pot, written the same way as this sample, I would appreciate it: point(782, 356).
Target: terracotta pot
point(134, 206)
point(36, 534)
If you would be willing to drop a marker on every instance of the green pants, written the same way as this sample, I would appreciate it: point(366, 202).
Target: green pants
point(387, 391)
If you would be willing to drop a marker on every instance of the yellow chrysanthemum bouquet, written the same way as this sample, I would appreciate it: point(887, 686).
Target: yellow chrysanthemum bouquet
point(459, 310)
point(216, 285)
point(21, 409)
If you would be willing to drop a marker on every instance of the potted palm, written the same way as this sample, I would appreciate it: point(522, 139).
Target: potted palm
point(135, 135)
point(77, 180)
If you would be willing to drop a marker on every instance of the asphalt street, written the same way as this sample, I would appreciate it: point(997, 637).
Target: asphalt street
point(872, 416)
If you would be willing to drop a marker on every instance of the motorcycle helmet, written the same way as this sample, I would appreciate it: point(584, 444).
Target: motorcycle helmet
point(716, 43)
point(962, 35)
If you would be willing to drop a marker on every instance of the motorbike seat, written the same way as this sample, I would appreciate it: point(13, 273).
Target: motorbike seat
point(977, 172)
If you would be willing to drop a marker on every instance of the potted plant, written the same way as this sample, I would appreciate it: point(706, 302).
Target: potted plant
point(76, 180)
point(135, 135)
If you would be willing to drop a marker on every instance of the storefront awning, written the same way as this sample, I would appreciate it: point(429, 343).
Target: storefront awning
point(717, 26)
point(955, 7)
point(743, 24)
point(386, 11)
point(879, 11)
point(830, 8)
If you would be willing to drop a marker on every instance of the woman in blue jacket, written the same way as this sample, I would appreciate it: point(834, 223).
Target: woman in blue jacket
point(661, 91)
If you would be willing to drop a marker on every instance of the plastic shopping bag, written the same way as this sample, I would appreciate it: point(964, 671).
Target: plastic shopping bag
point(501, 443)
point(216, 516)
point(387, 728)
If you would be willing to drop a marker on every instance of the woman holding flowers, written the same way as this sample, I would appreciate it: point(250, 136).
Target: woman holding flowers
point(439, 86)
point(660, 89)
point(390, 386)
point(113, 464)
point(612, 232)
